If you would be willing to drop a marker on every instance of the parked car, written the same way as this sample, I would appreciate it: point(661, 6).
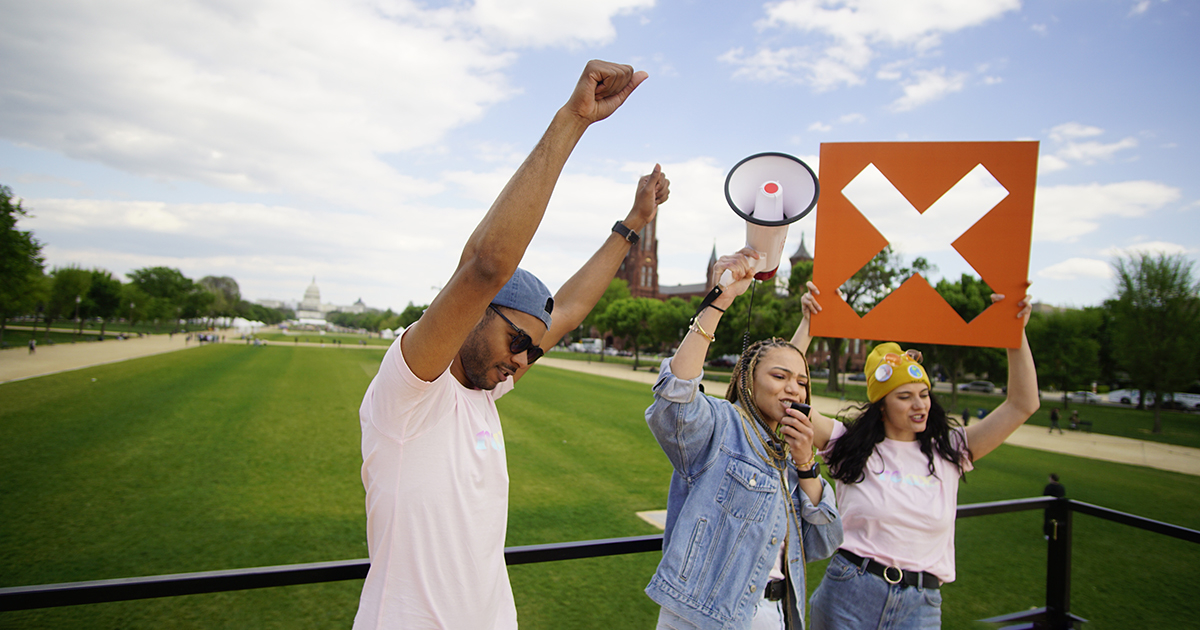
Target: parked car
point(820, 373)
point(1084, 397)
point(857, 377)
point(724, 361)
point(1123, 396)
point(977, 386)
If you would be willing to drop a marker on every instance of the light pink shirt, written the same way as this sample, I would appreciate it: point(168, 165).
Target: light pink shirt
point(900, 514)
point(436, 477)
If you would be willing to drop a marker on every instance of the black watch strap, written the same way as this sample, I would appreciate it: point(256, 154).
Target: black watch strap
point(811, 473)
point(625, 232)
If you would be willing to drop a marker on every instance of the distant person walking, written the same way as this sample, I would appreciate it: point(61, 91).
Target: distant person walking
point(1054, 421)
point(1056, 490)
point(1074, 421)
point(966, 416)
point(32, 345)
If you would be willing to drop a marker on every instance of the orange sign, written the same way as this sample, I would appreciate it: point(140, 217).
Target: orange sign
point(997, 245)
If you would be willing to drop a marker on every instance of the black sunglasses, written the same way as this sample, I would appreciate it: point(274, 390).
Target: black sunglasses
point(522, 342)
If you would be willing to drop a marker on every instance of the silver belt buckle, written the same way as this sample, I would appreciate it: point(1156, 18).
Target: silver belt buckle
point(899, 576)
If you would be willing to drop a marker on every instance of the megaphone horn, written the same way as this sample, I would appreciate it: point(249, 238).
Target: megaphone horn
point(770, 191)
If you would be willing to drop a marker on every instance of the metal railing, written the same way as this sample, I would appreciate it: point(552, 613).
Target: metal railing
point(1055, 615)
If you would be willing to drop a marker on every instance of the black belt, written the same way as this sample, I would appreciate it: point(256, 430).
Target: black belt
point(894, 575)
point(775, 590)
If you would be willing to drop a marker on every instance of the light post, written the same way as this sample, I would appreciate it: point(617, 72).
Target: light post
point(79, 322)
point(131, 305)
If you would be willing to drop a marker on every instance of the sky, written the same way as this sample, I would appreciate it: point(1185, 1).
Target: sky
point(358, 142)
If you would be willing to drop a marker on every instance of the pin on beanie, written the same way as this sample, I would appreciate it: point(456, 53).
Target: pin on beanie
point(888, 367)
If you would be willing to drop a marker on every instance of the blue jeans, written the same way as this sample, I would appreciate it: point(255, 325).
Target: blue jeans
point(850, 598)
point(767, 616)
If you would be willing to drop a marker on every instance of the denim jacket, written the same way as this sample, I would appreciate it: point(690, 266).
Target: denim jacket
point(726, 515)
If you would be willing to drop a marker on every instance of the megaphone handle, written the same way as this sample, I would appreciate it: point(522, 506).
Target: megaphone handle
point(727, 275)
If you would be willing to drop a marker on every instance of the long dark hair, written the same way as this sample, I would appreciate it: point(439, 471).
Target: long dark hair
point(847, 460)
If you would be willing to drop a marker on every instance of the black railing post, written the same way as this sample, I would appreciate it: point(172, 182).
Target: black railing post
point(1058, 565)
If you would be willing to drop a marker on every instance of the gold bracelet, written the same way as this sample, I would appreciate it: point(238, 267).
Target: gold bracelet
point(695, 327)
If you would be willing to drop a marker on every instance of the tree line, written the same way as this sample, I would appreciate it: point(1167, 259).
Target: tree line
point(1144, 337)
point(158, 296)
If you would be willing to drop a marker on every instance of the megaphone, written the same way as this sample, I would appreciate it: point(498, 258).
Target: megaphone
point(770, 191)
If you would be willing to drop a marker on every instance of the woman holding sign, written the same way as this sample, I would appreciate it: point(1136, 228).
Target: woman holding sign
point(747, 506)
point(897, 467)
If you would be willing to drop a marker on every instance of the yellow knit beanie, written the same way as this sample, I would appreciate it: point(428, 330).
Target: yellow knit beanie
point(888, 367)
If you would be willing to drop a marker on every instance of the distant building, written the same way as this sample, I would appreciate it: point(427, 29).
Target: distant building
point(640, 267)
point(310, 307)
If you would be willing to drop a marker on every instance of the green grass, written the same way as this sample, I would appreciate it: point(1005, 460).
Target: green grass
point(232, 456)
point(329, 338)
point(19, 339)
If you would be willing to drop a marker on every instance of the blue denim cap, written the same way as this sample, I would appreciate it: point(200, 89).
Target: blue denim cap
point(525, 293)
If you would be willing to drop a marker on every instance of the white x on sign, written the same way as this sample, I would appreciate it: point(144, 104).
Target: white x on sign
point(929, 234)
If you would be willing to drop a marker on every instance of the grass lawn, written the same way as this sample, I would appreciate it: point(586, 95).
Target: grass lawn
point(305, 336)
point(232, 456)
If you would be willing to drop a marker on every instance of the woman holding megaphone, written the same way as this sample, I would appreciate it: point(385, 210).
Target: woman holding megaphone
point(747, 507)
point(897, 465)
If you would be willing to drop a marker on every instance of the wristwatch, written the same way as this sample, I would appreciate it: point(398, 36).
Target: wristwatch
point(626, 233)
point(811, 473)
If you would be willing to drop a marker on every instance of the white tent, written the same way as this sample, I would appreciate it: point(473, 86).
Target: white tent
point(242, 325)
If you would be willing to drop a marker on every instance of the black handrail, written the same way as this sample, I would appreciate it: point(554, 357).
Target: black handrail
point(1056, 615)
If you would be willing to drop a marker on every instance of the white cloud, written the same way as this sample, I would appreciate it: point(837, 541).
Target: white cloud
point(1072, 147)
point(928, 86)
point(1073, 130)
point(541, 23)
point(910, 23)
point(1065, 213)
point(1139, 7)
point(1091, 152)
point(1148, 247)
point(1051, 163)
point(820, 126)
point(858, 29)
point(1075, 268)
point(387, 257)
point(294, 97)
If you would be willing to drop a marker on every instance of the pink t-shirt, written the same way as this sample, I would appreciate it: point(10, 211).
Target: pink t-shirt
point(436, 477)
point(900, 514)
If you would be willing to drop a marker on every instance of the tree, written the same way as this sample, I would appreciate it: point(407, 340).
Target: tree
point(135, 303)
point(968, 296)
point(71, 284)
point(411, 314)
point(1156, 317)
point(20, 262)
point(618, 289)
point(226, 295)
point(669, 324)
point(103, 298)
point(172, 294)
point(1066, 346)
point(630, 319)
point(868, 287)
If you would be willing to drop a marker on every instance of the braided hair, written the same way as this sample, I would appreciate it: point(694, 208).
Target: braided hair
point(741, 380)
point(847, 459)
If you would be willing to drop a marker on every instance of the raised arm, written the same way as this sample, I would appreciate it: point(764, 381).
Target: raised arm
point(580, 293)
point(498, 243)
point(1022, 400)
point(688, 361)
point(822, 426)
